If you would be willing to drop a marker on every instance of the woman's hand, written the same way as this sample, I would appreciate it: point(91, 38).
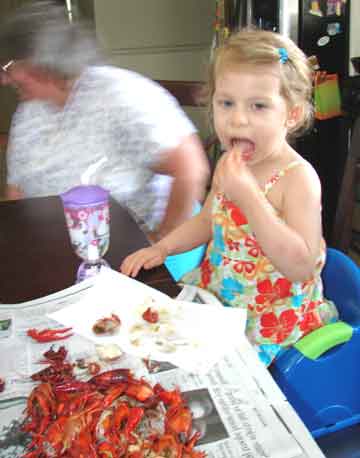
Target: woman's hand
point(145, 258)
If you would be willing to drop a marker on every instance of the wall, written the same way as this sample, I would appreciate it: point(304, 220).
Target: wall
point(163, 39)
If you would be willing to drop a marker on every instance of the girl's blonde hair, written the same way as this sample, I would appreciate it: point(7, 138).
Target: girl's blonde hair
point(252, 46)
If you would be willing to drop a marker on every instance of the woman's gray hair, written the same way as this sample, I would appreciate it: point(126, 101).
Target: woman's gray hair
point(41, 33)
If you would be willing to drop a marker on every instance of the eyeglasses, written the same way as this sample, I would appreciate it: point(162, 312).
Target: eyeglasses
point(5, 67)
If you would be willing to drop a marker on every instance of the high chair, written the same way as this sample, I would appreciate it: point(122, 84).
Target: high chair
point(320, 375)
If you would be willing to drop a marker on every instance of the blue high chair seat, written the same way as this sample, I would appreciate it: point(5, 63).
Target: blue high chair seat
point(320, 375)
point(179, 264)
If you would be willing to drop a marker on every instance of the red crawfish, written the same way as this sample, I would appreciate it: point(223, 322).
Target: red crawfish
point(49, 335)
point(150, 315)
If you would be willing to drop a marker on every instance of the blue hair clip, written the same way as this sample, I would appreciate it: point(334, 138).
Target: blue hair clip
point(284, 56)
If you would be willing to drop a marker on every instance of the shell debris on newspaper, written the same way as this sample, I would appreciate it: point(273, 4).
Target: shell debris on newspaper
point(148, 324)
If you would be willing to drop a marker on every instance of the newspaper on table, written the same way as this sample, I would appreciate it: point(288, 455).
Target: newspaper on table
point(181, 334)
point(237, 407)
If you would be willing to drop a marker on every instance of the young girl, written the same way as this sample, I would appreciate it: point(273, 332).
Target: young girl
point(262, 218)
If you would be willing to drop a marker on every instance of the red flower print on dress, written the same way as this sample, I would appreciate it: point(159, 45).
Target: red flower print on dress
point(238, 217)
point(255, 249)
point(279, 328)
point(206, 271)
point(226, 260)
point(236, 214)
point(233, 246)
point(270, 293)
point(310, 319)
point(245, 267)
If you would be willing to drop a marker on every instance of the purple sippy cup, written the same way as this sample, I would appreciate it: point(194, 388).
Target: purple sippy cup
point(86, 209)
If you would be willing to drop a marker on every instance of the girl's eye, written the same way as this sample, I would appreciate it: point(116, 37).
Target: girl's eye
point(225, 103)
point(259, 106)
point(228, 103)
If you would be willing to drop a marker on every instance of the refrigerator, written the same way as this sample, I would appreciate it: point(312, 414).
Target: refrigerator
point(320, 28)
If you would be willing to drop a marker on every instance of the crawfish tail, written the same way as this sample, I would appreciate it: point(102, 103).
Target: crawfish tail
point(112, 377)
point(71, 386)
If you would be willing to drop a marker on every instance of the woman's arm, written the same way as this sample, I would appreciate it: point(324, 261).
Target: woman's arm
point(188, 165)
point(190, 234)
point(194, 232)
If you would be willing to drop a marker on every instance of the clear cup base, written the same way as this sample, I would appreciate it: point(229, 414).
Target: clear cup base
point(89, 269)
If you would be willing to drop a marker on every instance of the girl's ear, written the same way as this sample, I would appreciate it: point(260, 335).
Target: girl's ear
point(295, 116)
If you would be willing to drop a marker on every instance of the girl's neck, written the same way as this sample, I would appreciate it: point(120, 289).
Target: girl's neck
point(275, 159)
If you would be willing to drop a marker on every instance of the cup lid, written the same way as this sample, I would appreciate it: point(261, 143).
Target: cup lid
point(84, 195)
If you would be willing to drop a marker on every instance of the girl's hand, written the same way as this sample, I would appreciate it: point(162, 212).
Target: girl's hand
point(145, 258)
point(233, 177)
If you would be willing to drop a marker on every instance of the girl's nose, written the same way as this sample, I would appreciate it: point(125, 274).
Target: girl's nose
point(239, 117)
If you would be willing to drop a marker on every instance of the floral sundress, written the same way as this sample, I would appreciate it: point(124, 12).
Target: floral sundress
point(279, 312)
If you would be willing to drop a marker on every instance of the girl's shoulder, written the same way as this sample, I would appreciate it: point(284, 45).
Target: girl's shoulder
point(301, 178)
point(299, 168)
point(293, 166)
point(294, 178)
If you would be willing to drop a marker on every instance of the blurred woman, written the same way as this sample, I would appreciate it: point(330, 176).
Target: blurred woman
point(75, 111)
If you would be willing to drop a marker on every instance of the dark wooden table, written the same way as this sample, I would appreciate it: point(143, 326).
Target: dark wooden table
point(36, 254)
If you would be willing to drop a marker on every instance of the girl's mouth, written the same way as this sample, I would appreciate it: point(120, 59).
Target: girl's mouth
point(244, 146)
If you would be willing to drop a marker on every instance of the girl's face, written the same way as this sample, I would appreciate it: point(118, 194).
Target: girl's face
point(250, 112)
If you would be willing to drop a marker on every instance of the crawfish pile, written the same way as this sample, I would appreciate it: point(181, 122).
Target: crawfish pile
point(111, 415)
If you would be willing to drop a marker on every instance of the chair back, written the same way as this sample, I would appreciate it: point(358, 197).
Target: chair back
point(341, 279)
point(342, 230)
point(189, 94)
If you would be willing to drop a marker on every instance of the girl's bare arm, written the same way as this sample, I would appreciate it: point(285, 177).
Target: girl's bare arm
point(190, 234)
point(292, 244)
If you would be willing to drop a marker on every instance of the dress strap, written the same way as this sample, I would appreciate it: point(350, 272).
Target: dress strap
point(276, 177)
